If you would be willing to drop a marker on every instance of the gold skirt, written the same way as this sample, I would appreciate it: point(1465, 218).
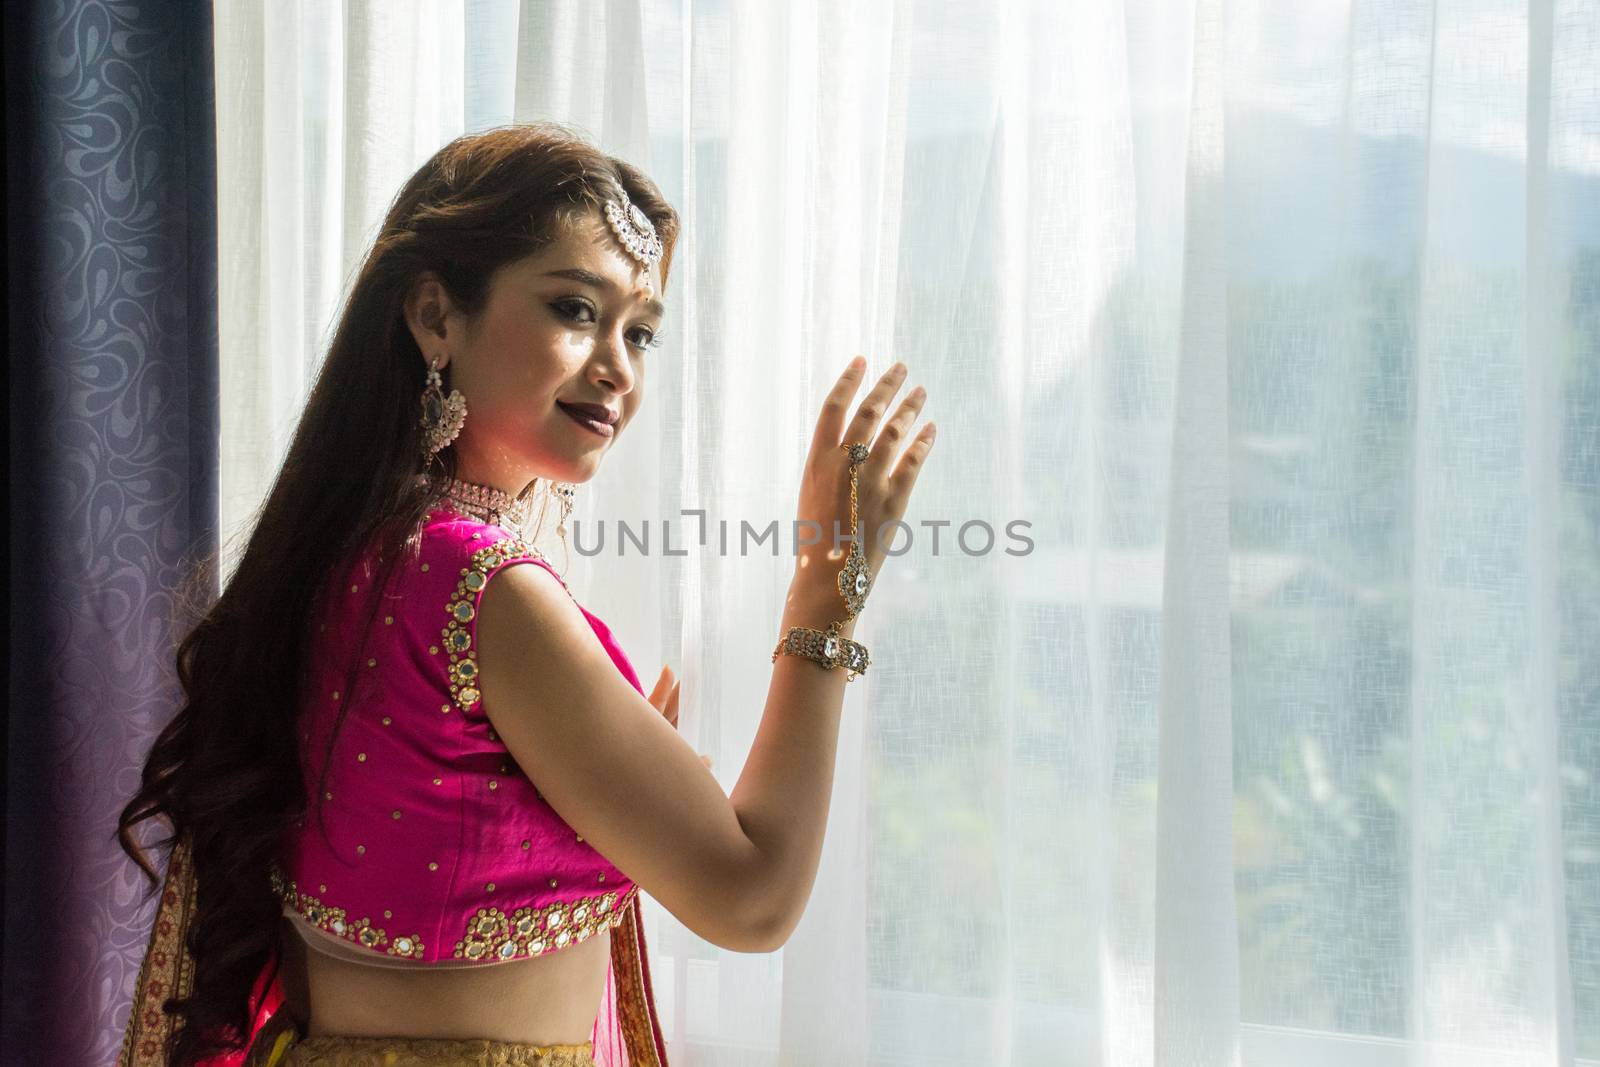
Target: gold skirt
point(414, 1052)
point(288, 1049)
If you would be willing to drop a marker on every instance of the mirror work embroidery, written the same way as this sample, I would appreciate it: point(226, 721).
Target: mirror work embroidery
point(335, 921)
point(491, 934)
point(534, 931)
point(461, 609)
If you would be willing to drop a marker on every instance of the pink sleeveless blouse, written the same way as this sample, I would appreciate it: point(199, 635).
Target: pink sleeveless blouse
point(437, 848)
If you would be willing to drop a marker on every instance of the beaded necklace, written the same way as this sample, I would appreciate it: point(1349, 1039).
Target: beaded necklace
point(486, 502)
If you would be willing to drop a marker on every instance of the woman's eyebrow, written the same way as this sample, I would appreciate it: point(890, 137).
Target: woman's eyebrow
point(589, 277)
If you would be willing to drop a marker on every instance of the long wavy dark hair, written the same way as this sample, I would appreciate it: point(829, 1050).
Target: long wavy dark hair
point(225, 773)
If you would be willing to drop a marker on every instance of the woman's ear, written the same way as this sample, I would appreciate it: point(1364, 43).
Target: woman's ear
point(427, 311)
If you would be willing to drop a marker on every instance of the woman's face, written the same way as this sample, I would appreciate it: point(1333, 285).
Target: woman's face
point(552, 368)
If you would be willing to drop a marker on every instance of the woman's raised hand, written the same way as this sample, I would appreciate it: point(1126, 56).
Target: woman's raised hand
point(884, 480)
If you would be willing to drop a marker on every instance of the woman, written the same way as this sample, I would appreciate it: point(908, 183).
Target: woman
point(416, 789)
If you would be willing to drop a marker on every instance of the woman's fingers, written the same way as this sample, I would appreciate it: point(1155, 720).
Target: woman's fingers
point(910, 465)
point(887, 445)
point(661, 686)
point(895, 456)
point(658, 693)
point(664, 696)
point(830, 423)
point(873, 406)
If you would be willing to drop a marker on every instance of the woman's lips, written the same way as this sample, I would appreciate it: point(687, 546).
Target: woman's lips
point(594, 426)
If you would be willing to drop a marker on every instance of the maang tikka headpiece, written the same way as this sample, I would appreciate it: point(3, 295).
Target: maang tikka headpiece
point(635, 230)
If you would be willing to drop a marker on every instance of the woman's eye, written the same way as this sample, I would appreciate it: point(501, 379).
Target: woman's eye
point(574, 310)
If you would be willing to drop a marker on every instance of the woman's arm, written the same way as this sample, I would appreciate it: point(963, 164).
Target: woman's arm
point(737, 870)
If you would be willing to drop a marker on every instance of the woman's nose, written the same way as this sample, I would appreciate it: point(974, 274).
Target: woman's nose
point(612, 366)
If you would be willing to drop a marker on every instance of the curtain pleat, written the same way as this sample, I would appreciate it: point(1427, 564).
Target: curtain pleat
point(111, 286)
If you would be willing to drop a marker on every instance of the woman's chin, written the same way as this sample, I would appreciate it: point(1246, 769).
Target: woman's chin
point(576, 471)
point(564, 463)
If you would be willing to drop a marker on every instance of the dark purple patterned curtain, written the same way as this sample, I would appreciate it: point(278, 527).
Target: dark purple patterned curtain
point(111, 319)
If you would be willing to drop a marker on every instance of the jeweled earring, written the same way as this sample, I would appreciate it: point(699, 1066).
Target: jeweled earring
point(442, 416)
point(564, 493)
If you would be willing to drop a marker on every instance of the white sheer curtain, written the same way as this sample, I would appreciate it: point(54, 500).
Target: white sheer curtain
point(1279, 325)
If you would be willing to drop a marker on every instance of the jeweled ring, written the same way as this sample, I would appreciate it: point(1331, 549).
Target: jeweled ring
point(858, 452)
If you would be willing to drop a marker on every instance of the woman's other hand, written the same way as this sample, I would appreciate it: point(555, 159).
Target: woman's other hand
point(664, 698)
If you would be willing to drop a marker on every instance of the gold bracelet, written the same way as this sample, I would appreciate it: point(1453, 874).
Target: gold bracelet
point(827, 647)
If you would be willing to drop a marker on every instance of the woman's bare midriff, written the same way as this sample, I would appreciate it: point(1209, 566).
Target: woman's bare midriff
point(547, 1000)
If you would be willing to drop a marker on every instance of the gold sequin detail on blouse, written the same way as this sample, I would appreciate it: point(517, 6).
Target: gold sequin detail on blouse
point(336, 922)
point(463, 669)
point(493, 934)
